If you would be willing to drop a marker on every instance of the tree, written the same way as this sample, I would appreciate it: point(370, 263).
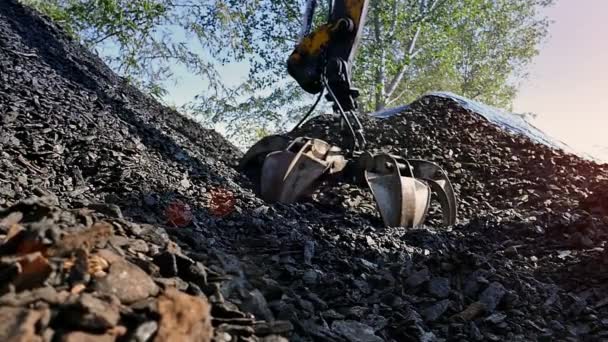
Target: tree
point(477, 48)
point(145, 39)
point(244, 121)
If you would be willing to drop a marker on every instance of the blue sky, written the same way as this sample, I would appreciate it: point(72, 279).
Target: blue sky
point(185, 85)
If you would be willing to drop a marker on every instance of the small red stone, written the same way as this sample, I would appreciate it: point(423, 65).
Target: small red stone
point(179, 214)
point(222, 202)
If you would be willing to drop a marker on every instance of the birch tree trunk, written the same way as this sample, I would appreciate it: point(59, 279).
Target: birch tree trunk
point(381, 60)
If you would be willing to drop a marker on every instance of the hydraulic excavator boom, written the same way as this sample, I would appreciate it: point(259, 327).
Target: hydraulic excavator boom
point(323, 59)
point(286, 169)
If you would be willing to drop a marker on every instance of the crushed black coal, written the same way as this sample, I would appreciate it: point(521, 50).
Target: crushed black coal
point(122, 220)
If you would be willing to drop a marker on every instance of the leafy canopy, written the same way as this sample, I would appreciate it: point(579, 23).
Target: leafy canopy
point(477, 48)
point(146, 39)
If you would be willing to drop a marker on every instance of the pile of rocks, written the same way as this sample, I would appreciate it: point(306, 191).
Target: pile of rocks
point(66, 275)
point(493, 171)
point(119, 216)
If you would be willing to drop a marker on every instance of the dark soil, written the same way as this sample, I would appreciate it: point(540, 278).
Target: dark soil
point(90, 170)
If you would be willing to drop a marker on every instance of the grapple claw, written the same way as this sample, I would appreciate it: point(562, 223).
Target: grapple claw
point(272, 177)
point(262, 148)
point(288, 174)
point(402, 201)
point(440, 184)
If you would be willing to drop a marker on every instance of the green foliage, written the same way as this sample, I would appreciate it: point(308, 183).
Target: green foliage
point(55, 11)
point(245, 118)
point(476, 48)
point(145, 40)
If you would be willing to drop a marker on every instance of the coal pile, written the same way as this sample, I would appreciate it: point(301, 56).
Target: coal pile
point(493, 171)
point(91, 174)
point(121, 220)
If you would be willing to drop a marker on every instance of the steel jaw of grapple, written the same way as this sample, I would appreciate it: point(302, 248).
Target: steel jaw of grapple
point(401, 188)
point(290, 169)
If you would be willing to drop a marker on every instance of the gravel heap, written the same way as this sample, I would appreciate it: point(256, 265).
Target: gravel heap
point(121, 220)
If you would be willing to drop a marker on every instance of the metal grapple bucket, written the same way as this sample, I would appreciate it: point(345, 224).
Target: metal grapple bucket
point(401, 188)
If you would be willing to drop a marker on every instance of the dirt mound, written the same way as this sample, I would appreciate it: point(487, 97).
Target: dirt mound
point(123, 220)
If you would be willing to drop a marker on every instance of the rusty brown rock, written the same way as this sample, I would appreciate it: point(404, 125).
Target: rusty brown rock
point(33, 271)
point(127, 282)
point(183, 318)
point(19, 324)
point(79, 336)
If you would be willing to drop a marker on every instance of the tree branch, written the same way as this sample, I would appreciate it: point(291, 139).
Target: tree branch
point(292, 12)
point(394, 23)
point(380, 67)
point(410, 55)
point(428, 11)
point(100, 40)
point(397, 97)
point(432, 7)
point(425, 11)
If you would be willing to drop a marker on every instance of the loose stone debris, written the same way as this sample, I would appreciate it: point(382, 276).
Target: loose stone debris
point(121, 220)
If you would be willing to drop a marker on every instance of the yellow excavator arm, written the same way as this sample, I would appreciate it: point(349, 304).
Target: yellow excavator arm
point(333, 42)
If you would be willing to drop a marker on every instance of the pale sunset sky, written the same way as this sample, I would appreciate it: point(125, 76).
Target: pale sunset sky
point(568, 82)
